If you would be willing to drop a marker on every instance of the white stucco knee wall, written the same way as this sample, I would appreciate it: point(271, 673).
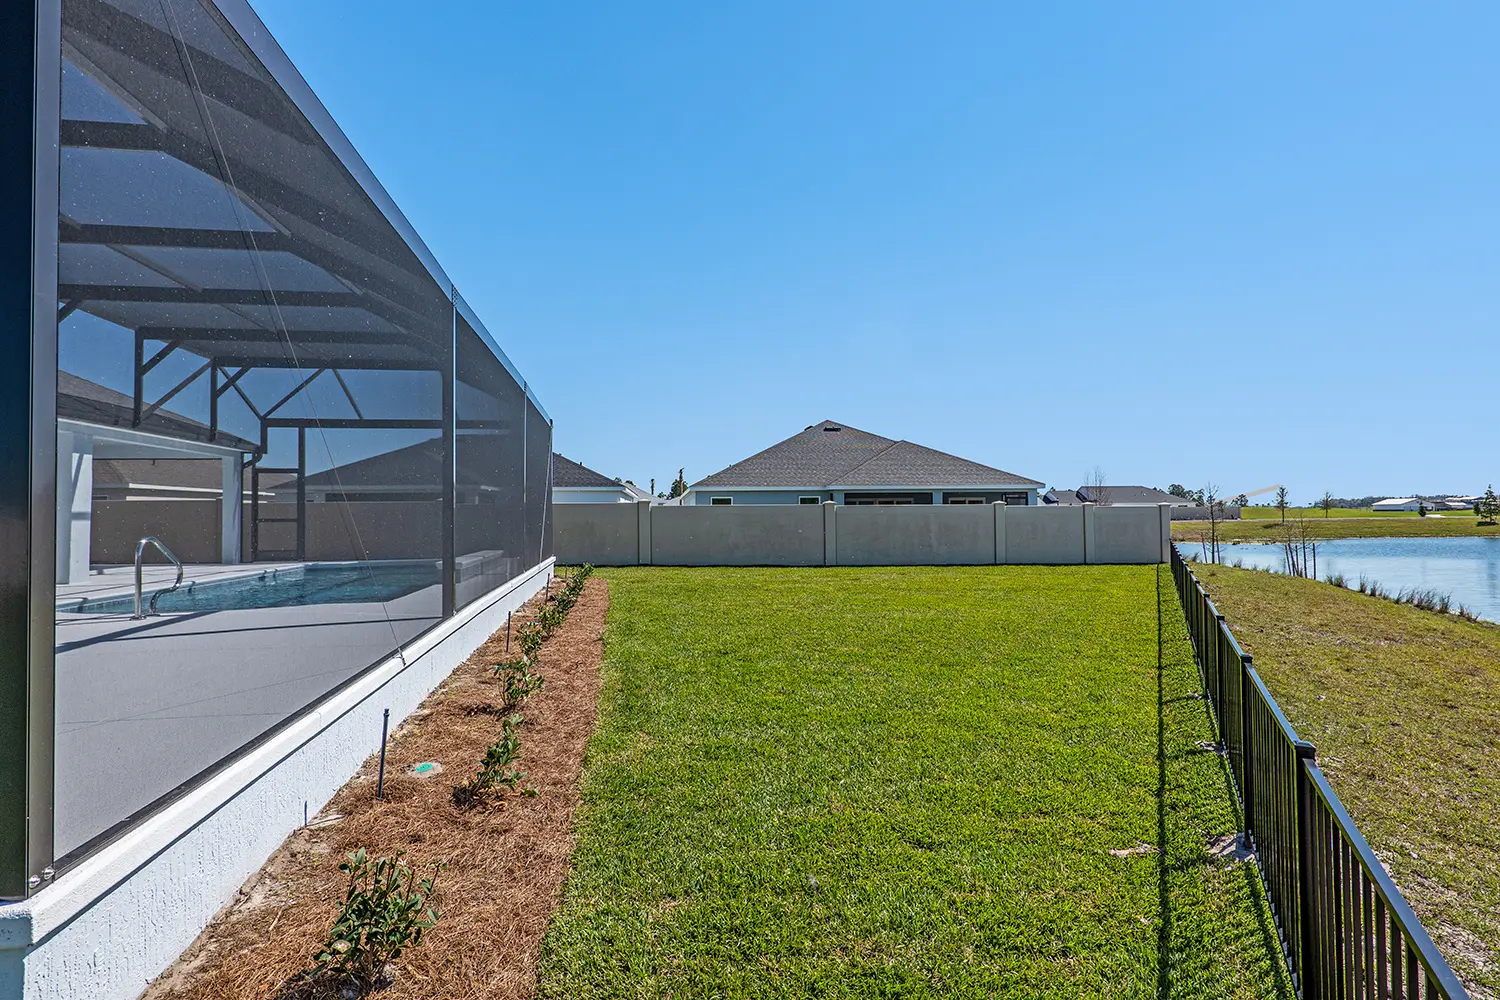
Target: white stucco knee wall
point(109, 926)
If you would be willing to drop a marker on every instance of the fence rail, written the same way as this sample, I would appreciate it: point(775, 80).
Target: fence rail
point(1346, 930)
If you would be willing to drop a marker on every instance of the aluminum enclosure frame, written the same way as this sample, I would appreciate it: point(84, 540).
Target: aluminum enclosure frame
point(30, 158)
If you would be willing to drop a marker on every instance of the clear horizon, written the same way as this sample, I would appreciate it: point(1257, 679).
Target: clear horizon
point(1183, 244)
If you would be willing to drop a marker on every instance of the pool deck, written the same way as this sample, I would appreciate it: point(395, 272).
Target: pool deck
point(145, 705)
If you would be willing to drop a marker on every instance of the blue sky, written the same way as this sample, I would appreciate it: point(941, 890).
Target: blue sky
point(1186, 242)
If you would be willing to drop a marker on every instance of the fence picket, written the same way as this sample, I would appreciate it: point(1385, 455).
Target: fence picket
point(1332, 899)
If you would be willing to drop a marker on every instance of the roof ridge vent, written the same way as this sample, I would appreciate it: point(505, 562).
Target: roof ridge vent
point(831, 428)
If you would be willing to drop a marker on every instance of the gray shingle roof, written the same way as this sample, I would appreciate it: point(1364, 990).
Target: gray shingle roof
point(567, 472)
point(832, 455)
point(89, 402)
point(1113, 495)
point(1127, 494)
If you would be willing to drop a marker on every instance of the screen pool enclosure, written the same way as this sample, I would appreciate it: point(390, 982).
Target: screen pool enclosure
point(237, 345)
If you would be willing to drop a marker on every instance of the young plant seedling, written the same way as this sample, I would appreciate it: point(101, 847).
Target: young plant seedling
point(530, 638)
point(494, 769)
point(384, 912)
point(518, 680)
point(550, 618)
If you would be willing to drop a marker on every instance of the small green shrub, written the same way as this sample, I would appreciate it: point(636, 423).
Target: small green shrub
point(530, 638)
point(384, 912)
point(494, 768)
point(519, 681)
point(550, 618)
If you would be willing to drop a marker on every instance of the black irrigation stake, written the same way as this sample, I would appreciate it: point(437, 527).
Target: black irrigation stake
point(507, 631)
point(385, 725)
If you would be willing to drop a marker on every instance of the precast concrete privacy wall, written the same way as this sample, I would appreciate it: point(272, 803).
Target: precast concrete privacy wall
point(646, 534)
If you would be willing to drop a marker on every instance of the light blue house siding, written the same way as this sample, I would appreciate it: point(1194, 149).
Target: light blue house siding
point(743, 497)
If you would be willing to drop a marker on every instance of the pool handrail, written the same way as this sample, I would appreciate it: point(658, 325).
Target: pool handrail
point(140, 551)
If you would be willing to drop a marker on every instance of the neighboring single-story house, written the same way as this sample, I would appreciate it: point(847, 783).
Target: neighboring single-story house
point(573, 482)
point(1116, 496)
point(168, 479)
point(1399, 503)
point(104, 454)
point(833, 461)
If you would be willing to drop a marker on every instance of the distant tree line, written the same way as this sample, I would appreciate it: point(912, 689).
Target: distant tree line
point(1324, 503)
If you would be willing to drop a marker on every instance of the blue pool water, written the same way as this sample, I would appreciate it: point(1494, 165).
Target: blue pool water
point(285, 588)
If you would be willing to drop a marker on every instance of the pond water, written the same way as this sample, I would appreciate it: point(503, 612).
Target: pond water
point(1466, 569)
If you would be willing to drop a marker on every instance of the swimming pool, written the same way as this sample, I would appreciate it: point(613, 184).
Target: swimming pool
point(281, 588)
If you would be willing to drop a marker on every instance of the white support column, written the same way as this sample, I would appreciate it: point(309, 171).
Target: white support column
point(1089, 549)
point(1164, 511)
point(830, 533)
point(999, 508)
point(231, 508)
point(75, 505)
point(937, 498)
point(643, 532)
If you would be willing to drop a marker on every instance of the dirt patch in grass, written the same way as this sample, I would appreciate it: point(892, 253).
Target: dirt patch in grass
point(505, 862)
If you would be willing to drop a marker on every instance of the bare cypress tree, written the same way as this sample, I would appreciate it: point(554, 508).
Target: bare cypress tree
point(1096, 486)
point(1281, 503)
point(1215, 515)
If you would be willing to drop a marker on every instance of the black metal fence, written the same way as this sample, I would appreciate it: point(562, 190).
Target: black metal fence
point(1345, 928)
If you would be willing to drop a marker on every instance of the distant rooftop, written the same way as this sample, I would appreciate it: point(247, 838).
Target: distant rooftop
point(832, 455)
point(1114, 495)
point(568, 473)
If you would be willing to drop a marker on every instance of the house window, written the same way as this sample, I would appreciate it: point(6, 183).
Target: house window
point(722, 501)
point(964, 500)
point(809, 499)
point(1015, 499)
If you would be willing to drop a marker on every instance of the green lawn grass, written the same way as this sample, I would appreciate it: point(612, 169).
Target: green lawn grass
point(902, 783)
point(1319, 527)
point(1404, 706)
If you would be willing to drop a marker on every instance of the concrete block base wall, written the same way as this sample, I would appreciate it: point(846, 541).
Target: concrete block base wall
point(834, 535)
point(104, 929)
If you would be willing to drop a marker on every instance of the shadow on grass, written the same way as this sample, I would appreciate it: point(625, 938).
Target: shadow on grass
point(1247, 878)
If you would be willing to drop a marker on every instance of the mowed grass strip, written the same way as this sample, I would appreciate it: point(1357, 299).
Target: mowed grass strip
point(1274, 514)
point(1318, 527)
point(1404, 706)
point(902, 782)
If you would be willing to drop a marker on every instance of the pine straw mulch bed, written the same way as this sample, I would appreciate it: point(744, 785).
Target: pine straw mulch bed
point(505, 861)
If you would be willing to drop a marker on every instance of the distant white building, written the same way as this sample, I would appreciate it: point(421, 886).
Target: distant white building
point(1399, 503)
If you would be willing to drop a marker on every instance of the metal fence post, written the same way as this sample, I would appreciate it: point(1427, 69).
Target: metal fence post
point(1308, 979)
point(1219, 696)
point(1247, 782)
